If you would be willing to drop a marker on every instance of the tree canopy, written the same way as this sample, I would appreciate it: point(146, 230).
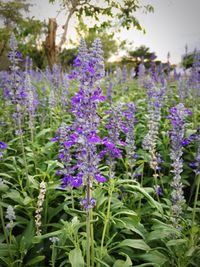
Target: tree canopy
point(14, 17)
point(117, 14)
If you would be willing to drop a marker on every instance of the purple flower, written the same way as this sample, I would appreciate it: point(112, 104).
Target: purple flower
point(3, 145)
point(100, 178)
point(185, 142)
point(196, 164)
point(82, 134)
point(177, 118)
point(88, 204)
point(130, 120)
point(158, 190)
point(94, 138)
point(155, 98)
point(77, 181)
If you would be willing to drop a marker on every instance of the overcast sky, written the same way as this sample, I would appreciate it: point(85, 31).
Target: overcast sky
point(173, 24)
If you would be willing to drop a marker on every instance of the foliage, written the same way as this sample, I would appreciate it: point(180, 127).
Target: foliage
point(188, 59)
point(27, 29)
point(132, 219)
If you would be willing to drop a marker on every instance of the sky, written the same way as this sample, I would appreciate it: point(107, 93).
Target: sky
point(173, 25)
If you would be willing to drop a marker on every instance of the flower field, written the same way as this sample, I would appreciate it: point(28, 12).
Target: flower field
point(99, 168)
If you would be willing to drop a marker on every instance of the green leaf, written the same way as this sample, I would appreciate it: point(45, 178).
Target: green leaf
point(121, 263)
point(38, 239)
point(126, 212)
point(131, 224)
point(27, 236)
point(134, 243)
point(144, 192)
point(35, 260)
point(155, 258)
point(14, 195)
point(176, 242)
point(76, 258)
point(43, 132)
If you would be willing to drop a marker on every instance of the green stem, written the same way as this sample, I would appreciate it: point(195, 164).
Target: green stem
point(53, 256)
point(107, 216)
point(88, 228)
point(92, 238)
point(4, 231)
point(72, 198)
point(141, 184)
point(33, 149)
point(23, 150)
point(194, 208)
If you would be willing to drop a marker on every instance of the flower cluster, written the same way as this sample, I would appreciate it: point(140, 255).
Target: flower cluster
point(196, 164)
point(194, 79)
point(14, 87)
point(109, 88)
point(177, 120)
point(155, 97)
point(130, 120)
point(82, 135)
point(113, 143)
point(141, 73)
point(2, 147)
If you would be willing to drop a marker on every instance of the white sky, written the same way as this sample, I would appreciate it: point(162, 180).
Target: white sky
point(173, 24)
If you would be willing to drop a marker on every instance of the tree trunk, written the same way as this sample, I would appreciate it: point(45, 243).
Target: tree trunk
point(50, 43)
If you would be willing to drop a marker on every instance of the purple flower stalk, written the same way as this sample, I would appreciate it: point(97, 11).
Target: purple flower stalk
point(194, 79)
point(82, 135)
point(15, 91)
point(177, 120)
point(141, 73)
point(31, 100)
point(196, 164)
point(155, 97)
point(129, 114)
point(109, 87)
point(113, 142)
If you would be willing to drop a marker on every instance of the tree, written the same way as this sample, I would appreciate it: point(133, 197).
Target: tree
point(27, 30)
point(142, 53)
point(189, 59)
point(118, 14)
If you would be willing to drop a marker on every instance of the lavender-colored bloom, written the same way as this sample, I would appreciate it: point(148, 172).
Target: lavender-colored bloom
point(109, 88)
point(158, 190)
point(129, 114)
point(177, 120)
point(183, 88)
point(194, 79)
point(196, 164)
point(114, 126)
point(100, 178)
point(141, 73)
point(3, 145)
point(88, 204)
point(152, 69)
point(113, 143)
point(14, 91)
point(83, 134)
point(155, 98)
point(31, 100)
